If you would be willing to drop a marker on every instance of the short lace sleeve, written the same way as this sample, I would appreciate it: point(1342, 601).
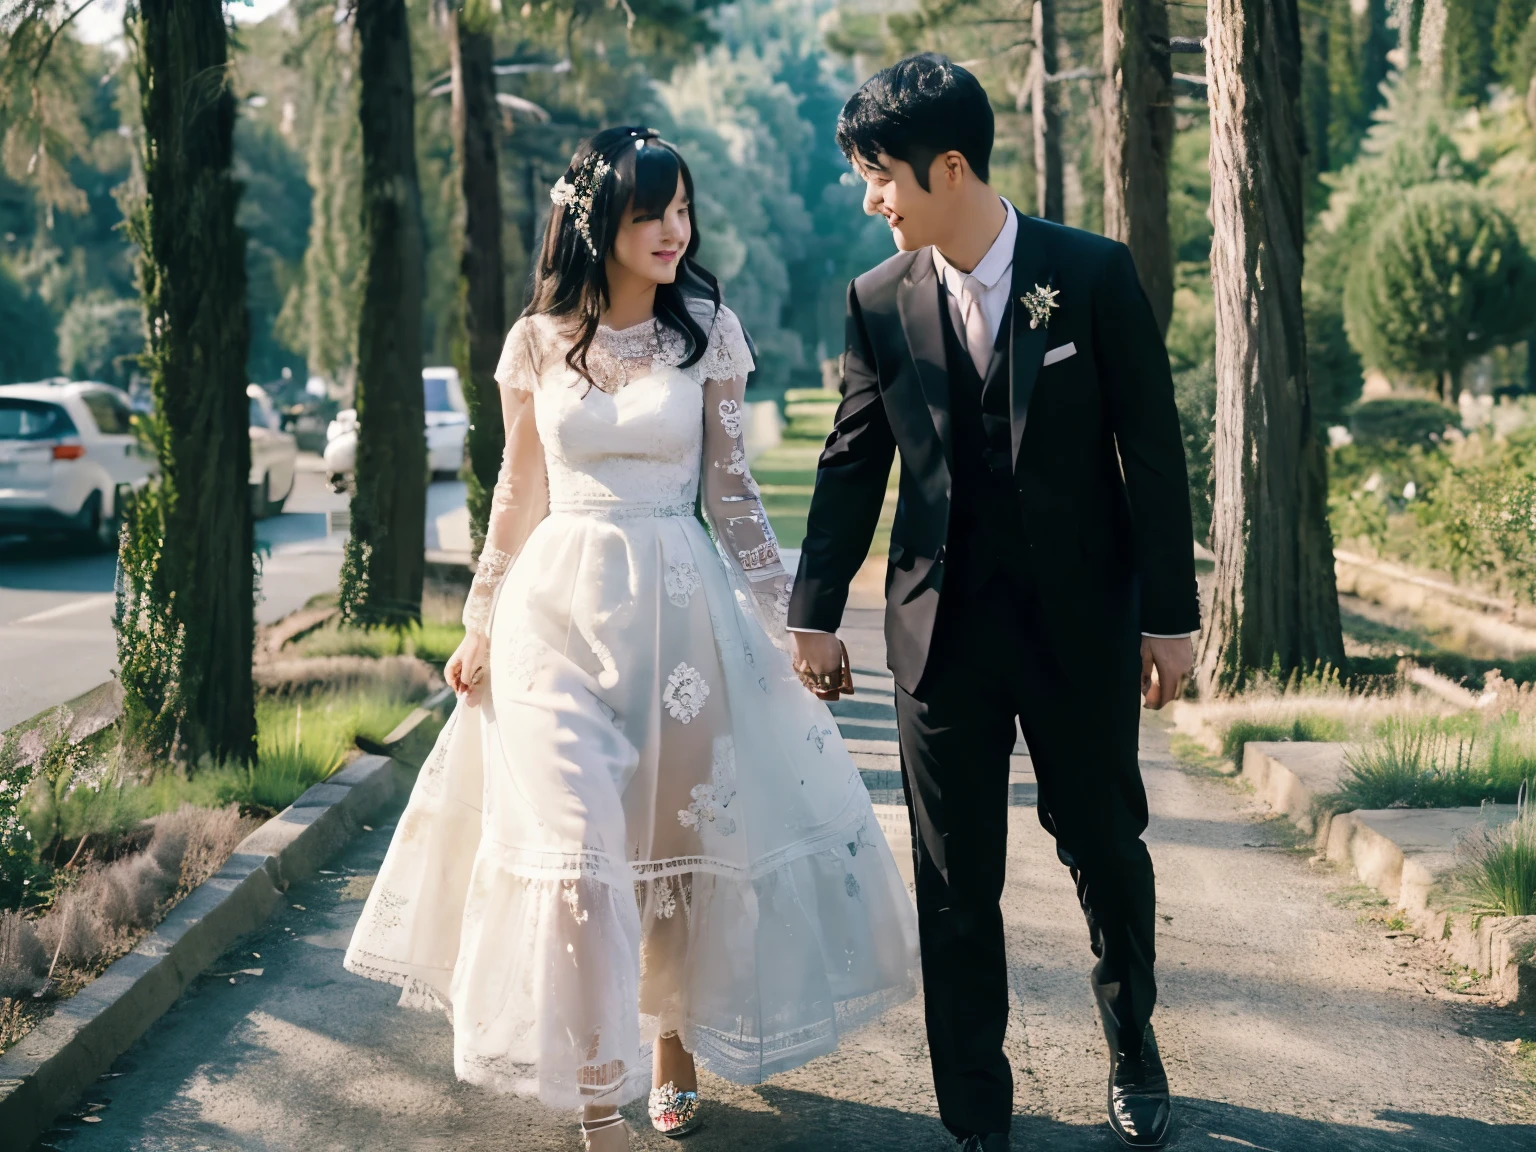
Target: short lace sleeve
point(518, 367)
point(728, 356)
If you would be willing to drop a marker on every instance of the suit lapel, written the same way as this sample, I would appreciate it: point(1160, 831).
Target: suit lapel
point(917, 301)
point(1026, 346)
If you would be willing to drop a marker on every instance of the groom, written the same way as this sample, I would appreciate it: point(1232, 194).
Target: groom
point(1041, 568)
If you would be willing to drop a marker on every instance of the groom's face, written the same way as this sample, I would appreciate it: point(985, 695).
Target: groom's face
point(916, 215)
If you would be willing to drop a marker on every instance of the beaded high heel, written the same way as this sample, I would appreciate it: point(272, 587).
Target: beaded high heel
point(674, 1113)
point(610, 1130)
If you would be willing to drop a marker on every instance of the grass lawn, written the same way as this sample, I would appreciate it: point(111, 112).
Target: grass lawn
point(787, 474)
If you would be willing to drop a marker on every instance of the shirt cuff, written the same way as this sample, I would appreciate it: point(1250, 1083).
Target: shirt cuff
point(815, 631)
point(1169, 635)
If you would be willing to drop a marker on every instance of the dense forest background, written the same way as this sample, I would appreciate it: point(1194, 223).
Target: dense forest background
point(750, 91)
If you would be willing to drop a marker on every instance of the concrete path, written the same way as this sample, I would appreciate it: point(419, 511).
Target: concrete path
point(1287, 1023)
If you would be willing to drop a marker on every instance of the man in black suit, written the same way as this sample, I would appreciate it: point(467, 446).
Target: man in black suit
point(1041, 568)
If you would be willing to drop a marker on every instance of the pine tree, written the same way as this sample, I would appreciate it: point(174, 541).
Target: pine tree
point(1510, 21)
point(1444, 278)
point(1469, 55)
point(1316, 97)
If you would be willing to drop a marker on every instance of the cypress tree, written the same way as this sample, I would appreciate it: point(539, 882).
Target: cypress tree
point(1469, 60)
point(185, 622)
point(1510, 21)
point(384, 562)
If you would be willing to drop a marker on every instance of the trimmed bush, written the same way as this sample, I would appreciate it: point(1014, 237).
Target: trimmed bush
point(1400, 422)
point(1444, 278)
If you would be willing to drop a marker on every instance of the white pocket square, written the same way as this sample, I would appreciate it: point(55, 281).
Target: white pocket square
point(1060, 352)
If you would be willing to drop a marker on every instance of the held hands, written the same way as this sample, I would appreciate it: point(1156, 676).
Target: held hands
point(1166, 662)
point(465, 671)
point(817, 656)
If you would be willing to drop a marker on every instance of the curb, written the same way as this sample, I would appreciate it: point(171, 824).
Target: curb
point(50, 1067)
point(1289, 777)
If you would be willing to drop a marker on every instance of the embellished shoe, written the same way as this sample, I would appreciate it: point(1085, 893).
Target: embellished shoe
point(674, 1113)
point(606, 1135)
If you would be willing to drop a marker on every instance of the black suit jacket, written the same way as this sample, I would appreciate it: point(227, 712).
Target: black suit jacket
point(1098, 456)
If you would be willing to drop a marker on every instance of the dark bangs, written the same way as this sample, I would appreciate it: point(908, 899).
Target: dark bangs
point(572, 280)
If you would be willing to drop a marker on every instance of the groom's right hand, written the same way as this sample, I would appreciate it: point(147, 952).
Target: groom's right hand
point(818, 653)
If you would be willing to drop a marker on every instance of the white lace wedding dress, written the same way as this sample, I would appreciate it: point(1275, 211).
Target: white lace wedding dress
point(646, 825)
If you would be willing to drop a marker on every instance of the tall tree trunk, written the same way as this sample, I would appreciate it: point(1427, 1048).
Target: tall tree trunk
point(1138, 139)
point(1431, 44)
point(186, 629)
point(1045, 108)
point(1275, 602)
point(482, 289)
point(385, 557)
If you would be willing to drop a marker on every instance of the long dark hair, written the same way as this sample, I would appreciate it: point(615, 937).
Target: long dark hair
point(573, 281)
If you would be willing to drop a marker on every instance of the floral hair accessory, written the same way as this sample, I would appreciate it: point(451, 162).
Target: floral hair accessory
point(577, 195)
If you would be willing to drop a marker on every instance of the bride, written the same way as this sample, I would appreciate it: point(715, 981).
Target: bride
point(639, 841)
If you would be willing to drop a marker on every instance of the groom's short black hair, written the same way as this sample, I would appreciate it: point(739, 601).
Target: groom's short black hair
point(915, 110)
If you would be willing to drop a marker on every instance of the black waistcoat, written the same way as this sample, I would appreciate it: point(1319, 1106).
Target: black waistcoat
point(986, 528)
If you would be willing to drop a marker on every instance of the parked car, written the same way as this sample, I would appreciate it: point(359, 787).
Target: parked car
point(446, 426)
point(69, 457)
point(274, 455)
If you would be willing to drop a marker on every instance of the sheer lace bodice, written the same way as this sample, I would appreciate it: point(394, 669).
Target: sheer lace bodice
point(649, 439)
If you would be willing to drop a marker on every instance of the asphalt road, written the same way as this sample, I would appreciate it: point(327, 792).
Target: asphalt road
point(56, 599)
point(1289, 1023)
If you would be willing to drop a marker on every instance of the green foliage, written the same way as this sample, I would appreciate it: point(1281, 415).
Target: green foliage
point(1497, 872)
point(431, 641)
point(275, 217)
point(1469, 49)
point(1305, 726)
point(1194, 394)
point(1444, 277)
point(1400, 422)
point(29, 350)
point(1438, 762)
point(1333, 369)
point(1514, 21)
point(102, 338)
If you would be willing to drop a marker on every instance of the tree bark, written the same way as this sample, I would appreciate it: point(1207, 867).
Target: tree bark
point(1045, 109)
point(1138, 140)
point(1275, 605)
point(385, 557)
point(482, 289)
point(186, 629)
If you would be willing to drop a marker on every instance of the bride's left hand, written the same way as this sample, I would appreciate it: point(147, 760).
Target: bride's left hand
point(465, 670)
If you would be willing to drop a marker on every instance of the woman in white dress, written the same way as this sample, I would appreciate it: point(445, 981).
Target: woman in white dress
point(639, 840)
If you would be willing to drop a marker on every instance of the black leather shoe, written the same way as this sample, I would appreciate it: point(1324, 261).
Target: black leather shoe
point(991, 1142)
point(1139, 1108)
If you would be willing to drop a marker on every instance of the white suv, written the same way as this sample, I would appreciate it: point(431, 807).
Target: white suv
point(68, 457)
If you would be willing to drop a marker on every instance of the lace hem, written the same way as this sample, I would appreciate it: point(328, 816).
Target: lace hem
point(537, 864)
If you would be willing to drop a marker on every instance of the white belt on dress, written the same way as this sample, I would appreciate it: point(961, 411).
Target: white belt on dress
point(619, 509)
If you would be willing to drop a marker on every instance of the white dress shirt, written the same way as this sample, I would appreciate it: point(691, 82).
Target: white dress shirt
point(987, 287)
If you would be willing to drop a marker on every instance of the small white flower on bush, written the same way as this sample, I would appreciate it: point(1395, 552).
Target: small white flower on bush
point(1410, 490)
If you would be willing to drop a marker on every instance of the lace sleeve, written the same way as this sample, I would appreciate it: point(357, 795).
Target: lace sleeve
point(521, 497)
point(732, 503)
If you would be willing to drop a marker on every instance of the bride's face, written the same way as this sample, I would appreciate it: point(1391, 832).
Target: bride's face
point(651, 247)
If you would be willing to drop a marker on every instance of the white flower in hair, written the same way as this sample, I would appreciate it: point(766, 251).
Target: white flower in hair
point(563, 192)
point(577, 196)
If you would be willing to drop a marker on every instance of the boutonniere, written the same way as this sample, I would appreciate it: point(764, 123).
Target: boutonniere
point(1039, 304)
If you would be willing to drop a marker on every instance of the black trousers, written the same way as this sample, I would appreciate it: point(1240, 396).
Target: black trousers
point(990, 665)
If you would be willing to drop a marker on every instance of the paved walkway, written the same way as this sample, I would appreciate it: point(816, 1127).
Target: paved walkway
point(1287, 1023)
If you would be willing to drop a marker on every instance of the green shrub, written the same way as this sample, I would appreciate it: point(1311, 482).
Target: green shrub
point(1194, 394)
point(1497, 873)
point(1400, 422)
point(1444, 278)
point(1306, 726)
point(1439, 762)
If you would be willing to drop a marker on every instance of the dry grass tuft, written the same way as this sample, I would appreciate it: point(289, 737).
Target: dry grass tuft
point(404, 676)
point(23, 960)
